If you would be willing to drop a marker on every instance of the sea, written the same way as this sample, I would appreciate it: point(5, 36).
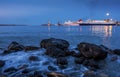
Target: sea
point(33, 35)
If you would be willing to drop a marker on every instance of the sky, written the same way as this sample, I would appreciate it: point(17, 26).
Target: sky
point(36, 12)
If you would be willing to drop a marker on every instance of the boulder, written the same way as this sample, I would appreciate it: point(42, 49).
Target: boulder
point(89, 74)
point(51, 68)
point(116, 51)
point(55, 74)
point(33, 58)
point(79, 60)
point(2, 63)
point(55, 52)
point(31, 48)
point(11, 69)
point(59, 43)
point(14, 46)
point(92, 51)
point(62, 61)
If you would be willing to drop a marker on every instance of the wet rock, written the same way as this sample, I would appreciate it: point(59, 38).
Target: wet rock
point(62, 61)
point(116, 51)
point(54, 74)
point(79, 60)
point(2, 63)
point(114, 58)
point(78, 55)
point(3, 76)
point(89, 74)
point(25, 71)
point(106, 48)
point(37, 74)
point(15, 46)
point(102, 75)
point(55, 52)
point(93, 64)
point(23, 66)
point(51, 68)
point(11, 69)
point(92, 51)
point(31, 48)
point(59, 43)
point(33, 58)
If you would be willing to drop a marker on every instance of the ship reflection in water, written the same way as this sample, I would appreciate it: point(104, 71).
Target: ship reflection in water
point(106, 31)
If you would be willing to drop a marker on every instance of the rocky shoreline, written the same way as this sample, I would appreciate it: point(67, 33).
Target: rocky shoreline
point(54, 58)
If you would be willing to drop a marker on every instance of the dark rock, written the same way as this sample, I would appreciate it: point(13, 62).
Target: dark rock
point(3, 76)
point(14, 47)
point(11, 69)
point(89, 74)
point(79, 60)
point(59, 43)
point(114, 58)
point(31, 48)
point(55, 52)
point(54, 74)
point(37, 74)
point(62, 61)
point(2, 63)
point(86, 62)
point(92, 51)
point(25, 71)
point(78, 55)
point(51, 68)
point(116, 51)
point(23, 66)
point(33, 58)
point(92, 63)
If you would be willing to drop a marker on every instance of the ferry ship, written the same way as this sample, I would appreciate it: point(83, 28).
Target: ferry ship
point(91, 22)
point(98, 22)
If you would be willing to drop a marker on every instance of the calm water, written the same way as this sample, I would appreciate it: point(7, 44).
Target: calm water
point(32, 35)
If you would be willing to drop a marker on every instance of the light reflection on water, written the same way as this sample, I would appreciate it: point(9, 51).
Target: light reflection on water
point(107, 35)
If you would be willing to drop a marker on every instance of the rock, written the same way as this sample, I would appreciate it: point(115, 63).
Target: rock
point(92, 51)
point(2, 63)
point(55, 52)
point(114, 58)
point(37, 74)
point(51, 68)
point(14, 47)
point(89, 74)
point(54, 74)
point(25, 71)
point(11, 69)
point(33, 58)
point(31, 48)
point(79, 60)
point(62, 61)
point(23, 66)
point(102, 75)
point(116, 51)
point(3, 76)
point(59, 43)
point(91, 64)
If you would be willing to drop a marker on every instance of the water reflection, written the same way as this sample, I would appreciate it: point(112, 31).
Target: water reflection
point(106, 31)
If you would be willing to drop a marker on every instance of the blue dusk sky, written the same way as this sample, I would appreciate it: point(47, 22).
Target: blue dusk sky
point(36, 12)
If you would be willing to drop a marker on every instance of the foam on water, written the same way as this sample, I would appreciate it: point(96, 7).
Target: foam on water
point(21, 58)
